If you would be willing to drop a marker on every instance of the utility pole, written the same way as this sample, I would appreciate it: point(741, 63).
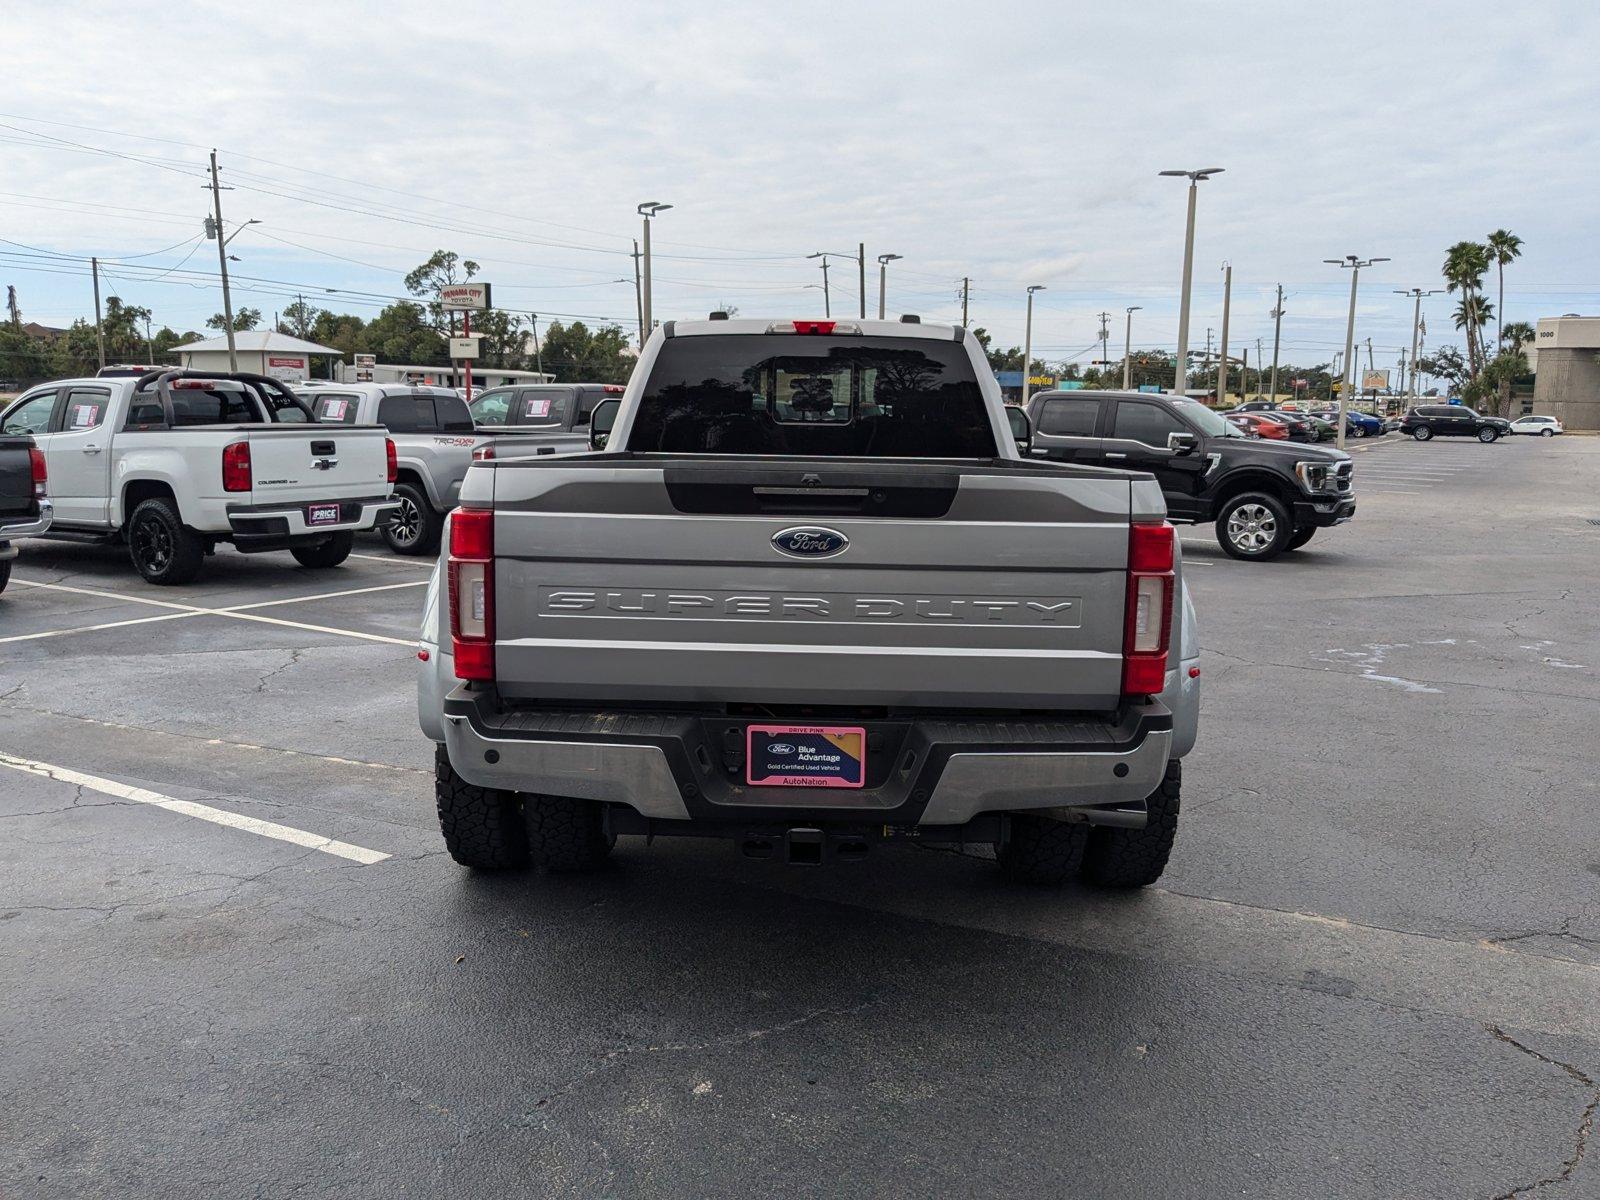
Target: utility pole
point(538, 355)
point(1277, 331)
point(1105, 352)
point(99, 334)
point(1209, 332)
point(222, 262)
point(1027, 345)
point(1244, 372)
point(966, 294)
point(1352, 263)
point(1194, 178)
point(638, 295)
point(1227, 303)
point(11, 307)
point(1127, 349)
point(861, 265)
point(1260, 359)
point(149, 344)
point(827, 299)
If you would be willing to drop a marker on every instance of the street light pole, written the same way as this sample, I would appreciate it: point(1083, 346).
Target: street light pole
point(648, 209)
point(1027, 344)
point(1127, 349)
point(1194, 178)
point(883, 279)
point(1417, 294)
point(1352, 263)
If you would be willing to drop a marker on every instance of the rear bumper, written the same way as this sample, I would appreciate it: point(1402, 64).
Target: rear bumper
point(1334, 510)
point(22, 527)
point(266, 526)
point(682, 766)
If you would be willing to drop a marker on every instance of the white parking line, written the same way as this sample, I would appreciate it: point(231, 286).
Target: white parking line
point(425, 564)
point(237, 612)
point(189, 808)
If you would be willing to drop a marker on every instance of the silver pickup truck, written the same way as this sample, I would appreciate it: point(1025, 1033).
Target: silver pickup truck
point(25, 509)
point(434, 443)
point(811, 598)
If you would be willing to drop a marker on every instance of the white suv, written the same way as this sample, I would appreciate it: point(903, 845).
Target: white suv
point(1540, 426)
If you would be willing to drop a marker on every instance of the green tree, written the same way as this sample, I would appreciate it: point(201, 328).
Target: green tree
point(123, 326)
point(1465, 264)
point(23, 359)
point(1517, 334)
point(75, 352)
point(1498, 375)
point(443, 269)
point(339, 330)
point(244, 320)
point(1503, 247)
point(1448, 364)
point(401, 334)
point(298, 318)
point(577, 354)
point(164, 339)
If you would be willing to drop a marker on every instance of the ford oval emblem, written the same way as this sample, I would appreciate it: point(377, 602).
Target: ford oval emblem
point(811, 541)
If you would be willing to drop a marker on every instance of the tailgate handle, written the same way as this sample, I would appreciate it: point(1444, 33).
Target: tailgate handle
point(322, 449)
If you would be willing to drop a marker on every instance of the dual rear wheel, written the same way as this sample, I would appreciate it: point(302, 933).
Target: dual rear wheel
point(1043, 850)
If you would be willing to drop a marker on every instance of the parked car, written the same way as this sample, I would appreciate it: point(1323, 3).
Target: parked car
point(1298, 428)
point(1538, 426)
point(24, 496)
point(1357, 424)
point(782, 610)
point(434, 441)
point(1452, 420)
point(175, 461)
point(1259, 426)
point(1263, 497)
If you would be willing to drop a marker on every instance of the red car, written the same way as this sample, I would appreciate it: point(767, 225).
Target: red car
point(1261, 425)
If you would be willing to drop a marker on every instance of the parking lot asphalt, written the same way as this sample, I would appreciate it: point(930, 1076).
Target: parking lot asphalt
point(238, 961)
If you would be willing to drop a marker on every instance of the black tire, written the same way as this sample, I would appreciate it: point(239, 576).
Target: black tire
point(329, 552)
point(164, 550)
point(5, 574)
point(1254, 526)
point(1422, 433)
point(1359, 431)
point(1042, 850)
point(482, 826)
point(1488, 435)
point(565, 834)
point(1131, 858)
point(1300, 538)
point(415, 526)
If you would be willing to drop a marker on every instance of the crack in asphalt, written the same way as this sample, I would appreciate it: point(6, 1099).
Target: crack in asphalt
point(261, 684)
point(1585, 1123)
point(622, 1054)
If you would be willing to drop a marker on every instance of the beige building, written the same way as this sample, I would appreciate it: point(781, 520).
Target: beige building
point(1566, 358)
point(262, 351)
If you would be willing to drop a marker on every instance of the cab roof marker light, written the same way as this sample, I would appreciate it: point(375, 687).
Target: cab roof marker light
point(823, 327)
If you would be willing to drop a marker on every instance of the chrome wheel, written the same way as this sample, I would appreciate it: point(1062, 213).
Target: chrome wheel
point(1487, 435)
point(1252, 528)
point(406, 525)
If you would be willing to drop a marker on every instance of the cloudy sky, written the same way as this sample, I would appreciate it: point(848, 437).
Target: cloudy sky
point(1012, 143)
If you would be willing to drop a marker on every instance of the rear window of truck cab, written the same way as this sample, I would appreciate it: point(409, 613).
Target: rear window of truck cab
point(801, 394)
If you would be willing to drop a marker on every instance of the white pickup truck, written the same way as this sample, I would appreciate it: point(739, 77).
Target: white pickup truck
point(173, 462)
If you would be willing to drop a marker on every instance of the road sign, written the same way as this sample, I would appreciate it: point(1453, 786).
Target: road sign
point(1374, 381)
point(464, 347)
point(464, 297)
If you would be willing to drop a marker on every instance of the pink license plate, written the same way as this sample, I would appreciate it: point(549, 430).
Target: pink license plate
point(322, 514)
point(822, 756)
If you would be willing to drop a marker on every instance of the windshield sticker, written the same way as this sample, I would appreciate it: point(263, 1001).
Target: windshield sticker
point(334, 410)
point(539, 406)
point(85, 416)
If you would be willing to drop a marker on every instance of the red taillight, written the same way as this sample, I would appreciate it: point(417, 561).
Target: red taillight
point(1148, 621)
point(236, 467)
point(814, 326)
point(394, 459)
point(614, 389)
point(483, 453)
point(471, 577)
point(41, 477)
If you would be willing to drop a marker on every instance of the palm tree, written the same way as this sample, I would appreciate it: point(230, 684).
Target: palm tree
point(1503, 247)
point(1471, 315)
point(1464, 266)
point(1517, 334)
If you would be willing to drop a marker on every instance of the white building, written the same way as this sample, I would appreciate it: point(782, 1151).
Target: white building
point(453, 376)
point(262, 352)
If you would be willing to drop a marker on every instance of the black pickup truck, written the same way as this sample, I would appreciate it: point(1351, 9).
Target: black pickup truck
point(24, 507)
point(1265, 497)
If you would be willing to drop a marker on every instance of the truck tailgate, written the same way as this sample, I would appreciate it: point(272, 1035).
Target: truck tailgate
point(993, 585)
point(317, 462)
point(16, 477)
